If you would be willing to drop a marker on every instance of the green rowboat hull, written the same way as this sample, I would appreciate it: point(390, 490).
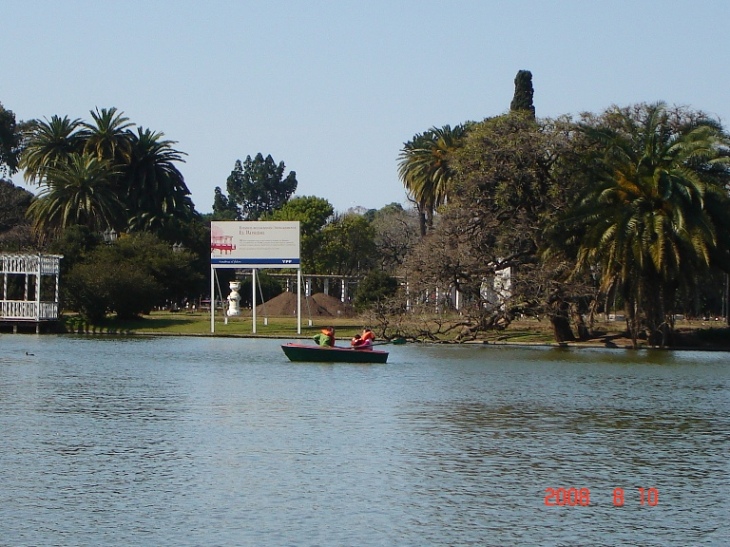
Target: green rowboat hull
point(322, 354)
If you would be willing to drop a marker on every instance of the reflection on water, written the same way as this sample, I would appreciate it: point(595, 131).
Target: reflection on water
point(223, 442)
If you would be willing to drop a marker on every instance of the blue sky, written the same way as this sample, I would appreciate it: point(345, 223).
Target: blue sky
point(334, 88)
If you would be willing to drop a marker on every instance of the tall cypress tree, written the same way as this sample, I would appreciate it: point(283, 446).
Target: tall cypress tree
point(522, 101)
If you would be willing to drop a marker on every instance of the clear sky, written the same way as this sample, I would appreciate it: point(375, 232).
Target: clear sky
point(334, 88)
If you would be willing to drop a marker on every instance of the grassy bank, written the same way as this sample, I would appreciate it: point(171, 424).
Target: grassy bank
point(198, 324)
point(702, 335)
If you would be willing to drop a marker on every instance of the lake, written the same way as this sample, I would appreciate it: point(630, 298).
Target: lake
point(177, 441)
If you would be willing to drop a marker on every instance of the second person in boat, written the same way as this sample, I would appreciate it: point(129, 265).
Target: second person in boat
point(364, 340)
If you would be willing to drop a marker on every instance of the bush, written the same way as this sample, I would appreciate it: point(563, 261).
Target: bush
point(132, 292)
point(99, 288)
point(375, 287)
point(128, 277)
point(85, 291)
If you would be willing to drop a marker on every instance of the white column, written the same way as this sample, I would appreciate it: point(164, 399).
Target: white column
point(299, 301)
point(56, 298)
point(253, 298)
point(212, 299)
point(38, 290)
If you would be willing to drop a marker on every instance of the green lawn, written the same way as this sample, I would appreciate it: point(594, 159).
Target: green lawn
point(698, 334)
point(198, 324)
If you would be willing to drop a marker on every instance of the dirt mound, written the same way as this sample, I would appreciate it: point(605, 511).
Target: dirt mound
point(317, 305)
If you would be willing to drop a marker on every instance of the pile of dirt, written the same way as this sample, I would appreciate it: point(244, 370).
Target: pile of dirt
point(317, 305)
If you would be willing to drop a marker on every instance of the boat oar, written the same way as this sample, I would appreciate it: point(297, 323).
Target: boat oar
point(394, 341)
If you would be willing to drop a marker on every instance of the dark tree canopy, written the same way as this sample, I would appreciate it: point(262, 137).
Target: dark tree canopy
point(223, 208)
point(128, 277)
point(522, 100)
point(14, 201)
point(375, 287)
point(258, 186)
point(14, 227)
point(10, 139)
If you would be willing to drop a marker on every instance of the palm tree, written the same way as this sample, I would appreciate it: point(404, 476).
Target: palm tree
point(155, 189)
point(109, 136)
point(79, 192)
point(650, 223)
point(425, 171)
point(48, 145)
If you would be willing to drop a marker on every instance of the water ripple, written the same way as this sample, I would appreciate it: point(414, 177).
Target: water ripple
point(223, 442)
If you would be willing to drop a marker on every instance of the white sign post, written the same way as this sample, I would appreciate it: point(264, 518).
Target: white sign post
point(255, 245)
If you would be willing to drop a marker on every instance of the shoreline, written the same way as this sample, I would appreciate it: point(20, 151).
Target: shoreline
point(706, 336)
point(503, 343)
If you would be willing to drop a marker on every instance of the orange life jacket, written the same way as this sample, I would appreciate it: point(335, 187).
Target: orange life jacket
point(329, 333)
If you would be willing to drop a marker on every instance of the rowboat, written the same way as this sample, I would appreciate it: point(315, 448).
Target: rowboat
point(325, 354)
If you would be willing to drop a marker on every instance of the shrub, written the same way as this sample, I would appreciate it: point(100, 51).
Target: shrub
point(97, 288)
point(375, 287)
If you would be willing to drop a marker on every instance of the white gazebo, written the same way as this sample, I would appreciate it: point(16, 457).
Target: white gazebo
point(30, 288)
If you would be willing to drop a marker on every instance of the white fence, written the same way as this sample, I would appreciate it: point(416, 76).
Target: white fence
point(22, 310)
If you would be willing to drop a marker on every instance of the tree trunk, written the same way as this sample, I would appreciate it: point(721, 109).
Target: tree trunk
point(579, 323)
point(632, 323)
point(422, 223)
point(727, 299)
point(561, 329)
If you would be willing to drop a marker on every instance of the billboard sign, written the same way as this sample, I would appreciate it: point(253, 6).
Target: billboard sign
point(258, 244)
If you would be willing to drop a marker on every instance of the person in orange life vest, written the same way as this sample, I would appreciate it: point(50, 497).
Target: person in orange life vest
point(329, 332)
point(364, 340)
point(326, 337)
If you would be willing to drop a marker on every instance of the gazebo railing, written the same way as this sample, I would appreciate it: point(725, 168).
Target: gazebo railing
point(22, 310)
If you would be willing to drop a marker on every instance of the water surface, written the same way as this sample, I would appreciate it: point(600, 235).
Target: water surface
point(218, 441)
